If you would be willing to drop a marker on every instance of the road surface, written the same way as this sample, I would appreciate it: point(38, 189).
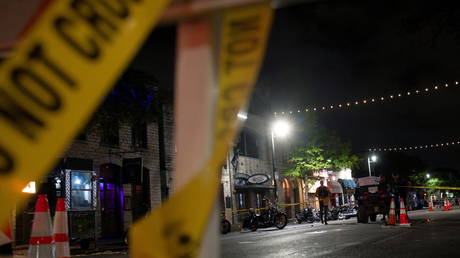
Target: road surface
point(433, 234)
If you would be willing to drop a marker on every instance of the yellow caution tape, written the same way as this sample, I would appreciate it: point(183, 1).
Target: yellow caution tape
point(176, 228)
point(434, 187)
point(55, 79)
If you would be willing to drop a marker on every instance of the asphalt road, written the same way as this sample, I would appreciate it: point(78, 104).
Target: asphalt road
point(433, 234)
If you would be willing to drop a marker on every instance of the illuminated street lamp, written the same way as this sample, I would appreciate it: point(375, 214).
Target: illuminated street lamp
point(370, 160)
point(427, 175)
point(280, 128)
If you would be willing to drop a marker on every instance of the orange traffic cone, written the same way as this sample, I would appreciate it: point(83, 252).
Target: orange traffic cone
point(403, 220)
point(61, 230)
point(445, 205)
point(430, 206)
point(392, 214)
point(41, 242)
point(6, 239)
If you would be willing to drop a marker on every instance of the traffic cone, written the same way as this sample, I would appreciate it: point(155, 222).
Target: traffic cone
point(41, 244)
point(6, 240)
point(430, 205)
point(403, 220)
point(445, 205)
point(61, 230)
point(392, 214)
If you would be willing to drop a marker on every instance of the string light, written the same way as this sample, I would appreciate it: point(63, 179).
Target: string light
point(418, 147)
point(368, 100)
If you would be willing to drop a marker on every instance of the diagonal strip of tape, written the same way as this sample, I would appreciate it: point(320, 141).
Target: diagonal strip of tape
point(55, 79)
point(176, 228)
point(433, 187)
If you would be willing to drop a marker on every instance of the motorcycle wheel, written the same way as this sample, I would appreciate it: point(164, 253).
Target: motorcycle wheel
point(281, 221)
point(298, 219)
point(253, 227)
point(341, 216)
point(225, 227)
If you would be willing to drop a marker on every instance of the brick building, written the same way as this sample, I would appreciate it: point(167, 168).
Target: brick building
point(110, 176)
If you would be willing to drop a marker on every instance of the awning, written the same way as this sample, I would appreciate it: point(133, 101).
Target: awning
point(335, 187)
point(348, 183)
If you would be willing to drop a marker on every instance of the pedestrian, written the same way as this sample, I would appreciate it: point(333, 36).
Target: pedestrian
point(323, 195)
point(383, 186)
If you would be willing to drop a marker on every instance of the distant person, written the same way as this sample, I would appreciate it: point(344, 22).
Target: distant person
point(323, 195)
point(383, 186)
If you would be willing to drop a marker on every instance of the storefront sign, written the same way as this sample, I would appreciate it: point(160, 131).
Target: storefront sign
point(258, 179)
point(241, 175)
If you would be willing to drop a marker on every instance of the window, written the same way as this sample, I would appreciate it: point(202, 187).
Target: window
point(248, 144)
point(110, 135)
point(139, 135)
point(81, 188)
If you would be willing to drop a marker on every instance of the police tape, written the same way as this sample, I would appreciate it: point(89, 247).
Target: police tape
point(56, 77)
point(176, 229)
point(433, 187)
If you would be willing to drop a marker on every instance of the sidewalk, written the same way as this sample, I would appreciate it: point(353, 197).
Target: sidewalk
point(105, 245)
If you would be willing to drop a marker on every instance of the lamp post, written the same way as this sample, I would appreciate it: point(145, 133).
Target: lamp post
point(370, 160)
point(280, 129)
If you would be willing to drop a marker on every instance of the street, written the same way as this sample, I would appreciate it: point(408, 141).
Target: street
point(433, 234)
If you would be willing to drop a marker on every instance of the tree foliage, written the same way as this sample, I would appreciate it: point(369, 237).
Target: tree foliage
point(323, 150)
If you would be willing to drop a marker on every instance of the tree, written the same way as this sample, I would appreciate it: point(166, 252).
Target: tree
point(323, 150)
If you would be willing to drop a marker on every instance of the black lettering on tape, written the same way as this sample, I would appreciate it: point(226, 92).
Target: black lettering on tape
point(116, 7)
point(243, 46)
point(19, 117)
point(88, 49)
point(232, 64)
point(86, 10)
point(6, 162)
point(38, 54)
point(248, 24)
point(25, 79)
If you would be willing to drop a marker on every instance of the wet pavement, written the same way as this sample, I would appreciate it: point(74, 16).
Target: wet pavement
point(433, 234)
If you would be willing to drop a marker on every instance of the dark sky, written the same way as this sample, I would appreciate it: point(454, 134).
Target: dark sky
point(335, 51)
point(329, 52)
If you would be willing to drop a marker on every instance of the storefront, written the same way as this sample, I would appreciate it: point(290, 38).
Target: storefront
point(251, 191)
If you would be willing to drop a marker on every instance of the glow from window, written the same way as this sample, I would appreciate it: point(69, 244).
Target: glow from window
point(30, 188)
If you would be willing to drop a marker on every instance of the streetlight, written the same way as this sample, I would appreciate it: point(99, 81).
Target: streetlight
point(370, 160)
point(280, 128)
point(427, 175)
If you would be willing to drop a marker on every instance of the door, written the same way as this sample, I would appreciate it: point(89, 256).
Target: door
point(111, 209)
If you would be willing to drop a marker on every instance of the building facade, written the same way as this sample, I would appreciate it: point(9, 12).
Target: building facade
point(110, 176)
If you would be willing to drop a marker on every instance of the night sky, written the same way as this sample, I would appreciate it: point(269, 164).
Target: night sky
point(331, 52)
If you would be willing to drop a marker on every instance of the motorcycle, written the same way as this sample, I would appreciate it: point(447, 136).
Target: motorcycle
point(270, 217)
point(308, 215)
point(225, 226)
point(333, 214)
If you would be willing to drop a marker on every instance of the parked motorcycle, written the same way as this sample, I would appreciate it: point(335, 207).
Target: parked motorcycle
point(270, 217)
point(333, 214)
point(225, 226)
point(308, 215)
